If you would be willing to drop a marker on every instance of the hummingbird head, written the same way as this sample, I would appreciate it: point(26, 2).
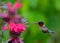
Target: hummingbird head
point(41, 23)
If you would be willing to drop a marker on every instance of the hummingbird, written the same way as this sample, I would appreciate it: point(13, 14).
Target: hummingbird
point(44, 29)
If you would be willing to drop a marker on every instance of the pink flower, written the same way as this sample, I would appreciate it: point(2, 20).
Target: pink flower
point(17, 27)
point(17, 5)
point(12, 9)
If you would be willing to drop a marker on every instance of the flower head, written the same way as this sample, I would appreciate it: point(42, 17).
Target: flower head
point(17, 5)
point(17, 27)
point(13, 9)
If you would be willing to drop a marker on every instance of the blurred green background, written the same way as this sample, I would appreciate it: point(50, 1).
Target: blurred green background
point(39, 10)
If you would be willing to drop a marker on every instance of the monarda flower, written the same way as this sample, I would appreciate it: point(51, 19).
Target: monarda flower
point(12, 9)
point(14, 26)
point(19, 27)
